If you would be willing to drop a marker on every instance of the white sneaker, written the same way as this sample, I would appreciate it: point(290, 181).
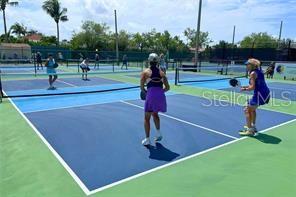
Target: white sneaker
point(146, 142)
point(254, 129)
point(158, 138)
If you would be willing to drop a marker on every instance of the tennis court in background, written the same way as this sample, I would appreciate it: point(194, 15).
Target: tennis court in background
point(97, 137)
point(67, 66)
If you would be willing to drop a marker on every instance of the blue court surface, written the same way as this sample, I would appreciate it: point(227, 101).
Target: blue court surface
point(99, 136)
point(17, 69)
point(34, 84)
point(23, 69)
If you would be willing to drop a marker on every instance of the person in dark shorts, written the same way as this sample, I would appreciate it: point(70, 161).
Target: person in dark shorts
point(124, 61)
point(39, 60)
point(84, 65)
point(270, 70)
point(260, 96)
point(157, 85)
point(60, 58)
point(97, 60)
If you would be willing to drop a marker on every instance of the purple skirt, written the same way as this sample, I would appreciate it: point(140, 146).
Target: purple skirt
point(155, 100)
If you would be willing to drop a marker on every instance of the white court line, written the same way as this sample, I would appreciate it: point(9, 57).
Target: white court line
point(59, 158)
point(184, 121)
point(70, 84)
point(181, 160)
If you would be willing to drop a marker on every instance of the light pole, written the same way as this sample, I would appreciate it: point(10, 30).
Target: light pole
point(198, 33)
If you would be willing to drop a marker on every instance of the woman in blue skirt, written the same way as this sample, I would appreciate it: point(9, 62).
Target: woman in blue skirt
point(261, 96)
point(51, 71)
point(157, 84)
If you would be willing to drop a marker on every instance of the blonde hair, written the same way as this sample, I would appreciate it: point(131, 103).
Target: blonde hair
point(254, 63)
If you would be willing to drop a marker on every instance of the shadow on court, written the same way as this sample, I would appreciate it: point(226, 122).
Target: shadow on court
point(268, 139)
point(161, 153)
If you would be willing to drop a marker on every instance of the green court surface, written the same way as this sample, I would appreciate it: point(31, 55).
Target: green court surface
point(262, 166)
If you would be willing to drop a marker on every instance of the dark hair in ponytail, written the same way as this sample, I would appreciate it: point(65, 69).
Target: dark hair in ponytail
point(153, 63)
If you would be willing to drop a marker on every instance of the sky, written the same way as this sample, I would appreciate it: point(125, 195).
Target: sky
point(218, 16)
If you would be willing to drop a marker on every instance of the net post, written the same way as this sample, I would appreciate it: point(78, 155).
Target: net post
point(113, 65)
point(35, 66)
point(289, 51)
point(78, 66)
point(142, 65)
point(1, 91)
point(226, 69)
point(176, 76)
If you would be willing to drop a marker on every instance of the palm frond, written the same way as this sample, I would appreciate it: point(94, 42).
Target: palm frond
point(53, 8)
point(3, 4)
point(64, 18)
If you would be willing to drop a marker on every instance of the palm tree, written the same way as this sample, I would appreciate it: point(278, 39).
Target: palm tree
point(53, 8)
point(3, 4)
point(18, 29)
point(32, 31)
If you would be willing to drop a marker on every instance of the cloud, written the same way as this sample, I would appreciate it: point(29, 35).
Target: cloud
point(218, 16)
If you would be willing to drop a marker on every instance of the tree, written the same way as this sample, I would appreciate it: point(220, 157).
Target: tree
point(93, 36)
point(223, 44)
point(177, 45)
point(3, 4)
point(163, 40)
point(53, 8)
point(18, 29)
point(190, 34)
point(137, 41)
point(259, 40)
point(149, 41)
point(123, 40)
point(285, 43)
point(48, 40)
point(32, 31)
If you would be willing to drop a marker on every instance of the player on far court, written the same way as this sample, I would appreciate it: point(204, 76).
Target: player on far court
point(84, 65)
point(50, 65)
point(39, 60)
point(261, 95)
point(157, 85)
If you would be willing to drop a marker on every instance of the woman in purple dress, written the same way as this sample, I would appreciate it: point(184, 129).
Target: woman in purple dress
point(260, 96)
point(157, 84)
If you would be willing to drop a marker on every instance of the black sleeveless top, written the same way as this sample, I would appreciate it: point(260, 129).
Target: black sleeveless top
point(155, 79)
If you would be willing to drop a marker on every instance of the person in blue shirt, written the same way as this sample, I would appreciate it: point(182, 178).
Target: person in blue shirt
point(50, 65)
point(260, 96)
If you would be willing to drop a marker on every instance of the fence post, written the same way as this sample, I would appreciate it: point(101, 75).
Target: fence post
point(289, 51)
